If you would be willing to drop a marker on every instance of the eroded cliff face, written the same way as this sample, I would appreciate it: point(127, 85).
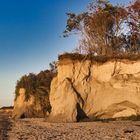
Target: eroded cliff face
point(91, 89)
point(28, 108)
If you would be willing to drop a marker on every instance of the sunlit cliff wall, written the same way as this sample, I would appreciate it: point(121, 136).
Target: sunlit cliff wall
point(86, 88)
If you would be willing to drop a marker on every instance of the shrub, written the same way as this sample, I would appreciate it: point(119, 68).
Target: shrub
point(100, 58)
point(37, 86)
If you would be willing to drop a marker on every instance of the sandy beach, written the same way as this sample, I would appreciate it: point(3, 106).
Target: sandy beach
point(5, 125)
point(39, 129)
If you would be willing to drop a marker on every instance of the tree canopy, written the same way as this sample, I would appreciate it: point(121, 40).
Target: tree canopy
point(107, 29)
point(38, 85)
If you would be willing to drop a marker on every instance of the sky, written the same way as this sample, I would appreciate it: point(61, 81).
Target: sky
point(31, 38)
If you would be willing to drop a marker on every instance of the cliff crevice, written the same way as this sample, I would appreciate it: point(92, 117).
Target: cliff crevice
point(103, 90)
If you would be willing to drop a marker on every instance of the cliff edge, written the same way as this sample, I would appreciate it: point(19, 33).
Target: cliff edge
point(90, 89)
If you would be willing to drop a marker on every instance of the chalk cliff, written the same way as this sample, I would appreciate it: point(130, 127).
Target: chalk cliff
point(87, 88)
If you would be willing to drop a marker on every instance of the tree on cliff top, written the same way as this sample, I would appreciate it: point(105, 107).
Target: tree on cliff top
point(37, 85)
point(102, 27)
point(134, 25)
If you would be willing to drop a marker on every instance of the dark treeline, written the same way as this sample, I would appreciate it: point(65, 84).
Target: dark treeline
point(37, 85)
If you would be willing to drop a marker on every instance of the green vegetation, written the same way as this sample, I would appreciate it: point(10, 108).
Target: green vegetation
point(107, 29)
point(99, 58)
point(38, 86)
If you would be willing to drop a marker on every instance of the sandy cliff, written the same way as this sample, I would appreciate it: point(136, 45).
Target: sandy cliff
point(28, 108)
point(85, 88)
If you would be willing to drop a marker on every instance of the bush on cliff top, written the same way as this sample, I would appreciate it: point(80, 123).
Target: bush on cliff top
point(100, 59)
point(37, 85)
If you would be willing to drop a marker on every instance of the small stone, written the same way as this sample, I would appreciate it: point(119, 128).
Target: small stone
point(128, 130)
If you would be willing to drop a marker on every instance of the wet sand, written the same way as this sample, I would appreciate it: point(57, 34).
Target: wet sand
point(39, 129)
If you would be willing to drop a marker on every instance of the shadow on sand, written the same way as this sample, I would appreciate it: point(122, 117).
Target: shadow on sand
point(5, 125)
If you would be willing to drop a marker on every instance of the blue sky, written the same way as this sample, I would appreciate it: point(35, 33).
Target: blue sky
point(30, 39)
